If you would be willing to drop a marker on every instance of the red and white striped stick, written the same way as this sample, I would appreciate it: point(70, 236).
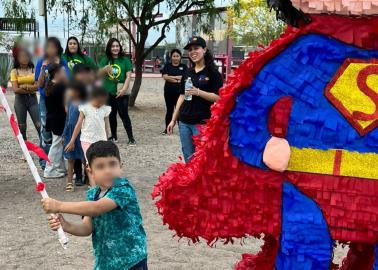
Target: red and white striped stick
point(40, 186)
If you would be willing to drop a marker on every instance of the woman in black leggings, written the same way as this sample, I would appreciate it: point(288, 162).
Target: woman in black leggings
point(116, 68)
point(173, 73)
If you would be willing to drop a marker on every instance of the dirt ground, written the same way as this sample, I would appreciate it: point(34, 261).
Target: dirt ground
point(25, 239)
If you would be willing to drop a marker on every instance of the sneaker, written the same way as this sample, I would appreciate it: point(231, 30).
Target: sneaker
point(79, 182)
point(131, 142)
point(62, 171)
point(53, 175)
point(113, 139)
point(164, 132)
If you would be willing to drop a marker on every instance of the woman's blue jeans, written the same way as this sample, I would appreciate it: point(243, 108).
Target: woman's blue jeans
point(187, 132)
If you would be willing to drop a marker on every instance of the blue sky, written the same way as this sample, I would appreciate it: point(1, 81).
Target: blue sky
point(56, 24)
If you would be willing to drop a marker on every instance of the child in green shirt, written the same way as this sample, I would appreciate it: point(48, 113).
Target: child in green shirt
point(111, 214)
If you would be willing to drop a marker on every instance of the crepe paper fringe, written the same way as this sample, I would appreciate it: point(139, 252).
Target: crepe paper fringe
point(263, 260)
point(360, 257)
point(216, 196)
point(279, 117)
point(341, 7)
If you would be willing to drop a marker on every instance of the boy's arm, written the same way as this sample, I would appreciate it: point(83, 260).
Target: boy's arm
point(87, 208)
point(78, 229)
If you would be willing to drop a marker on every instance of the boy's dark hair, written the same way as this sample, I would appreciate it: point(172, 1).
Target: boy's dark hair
point(81, 68)
point(79, 88)
point(99, 92)
point(52, 70)
point(102, 149)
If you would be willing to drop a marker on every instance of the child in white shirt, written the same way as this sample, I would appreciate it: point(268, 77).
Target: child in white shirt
point(93, 122)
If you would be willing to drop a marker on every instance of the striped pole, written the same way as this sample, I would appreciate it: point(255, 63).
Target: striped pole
point(40, 186)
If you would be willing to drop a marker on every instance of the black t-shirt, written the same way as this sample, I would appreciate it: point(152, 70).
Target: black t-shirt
point(172, 70)
point(198, 109)
point(56, 115)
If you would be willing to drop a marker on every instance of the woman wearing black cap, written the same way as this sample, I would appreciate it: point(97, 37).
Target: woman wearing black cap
point(193, 105)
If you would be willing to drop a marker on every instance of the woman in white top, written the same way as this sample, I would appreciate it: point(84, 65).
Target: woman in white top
point(93, 122)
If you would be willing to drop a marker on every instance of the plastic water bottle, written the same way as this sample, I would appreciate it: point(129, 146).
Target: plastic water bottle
point(188, 85)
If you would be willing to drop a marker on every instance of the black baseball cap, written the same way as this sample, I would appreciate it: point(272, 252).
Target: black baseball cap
point(195, 40)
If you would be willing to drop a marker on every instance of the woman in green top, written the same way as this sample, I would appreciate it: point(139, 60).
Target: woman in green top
point(74, 55)
point(116, 68)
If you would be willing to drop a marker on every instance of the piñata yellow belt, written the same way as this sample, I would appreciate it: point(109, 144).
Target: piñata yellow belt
point(334, 162)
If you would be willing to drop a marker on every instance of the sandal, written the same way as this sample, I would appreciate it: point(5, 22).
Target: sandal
point(69, 187)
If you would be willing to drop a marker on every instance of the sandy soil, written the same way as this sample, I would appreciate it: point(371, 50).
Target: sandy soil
point(27, 243)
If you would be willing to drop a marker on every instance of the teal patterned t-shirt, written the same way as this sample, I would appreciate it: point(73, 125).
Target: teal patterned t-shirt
point(119, 240)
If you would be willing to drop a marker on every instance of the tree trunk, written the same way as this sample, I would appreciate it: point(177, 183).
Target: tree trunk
point(137, 82)
point(139, 50)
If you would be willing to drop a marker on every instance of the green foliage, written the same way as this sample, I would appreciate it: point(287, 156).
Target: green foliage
point(19, 10)
point(5, 68)
point(253, 24)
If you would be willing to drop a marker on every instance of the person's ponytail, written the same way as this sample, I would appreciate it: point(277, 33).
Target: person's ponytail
point(209, 61)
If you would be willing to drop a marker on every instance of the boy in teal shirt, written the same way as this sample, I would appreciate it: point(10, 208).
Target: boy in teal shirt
point(111, 214)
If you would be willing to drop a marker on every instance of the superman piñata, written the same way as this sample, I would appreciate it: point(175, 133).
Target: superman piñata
point(291, 149)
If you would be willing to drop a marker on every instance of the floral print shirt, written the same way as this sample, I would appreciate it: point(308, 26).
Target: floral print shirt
point(119, 240)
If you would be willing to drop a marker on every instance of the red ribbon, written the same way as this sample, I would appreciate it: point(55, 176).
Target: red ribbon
point(37, 150)
point(14, 125)
point(40, 186)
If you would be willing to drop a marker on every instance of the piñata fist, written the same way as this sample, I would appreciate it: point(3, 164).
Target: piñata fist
point(277, 154)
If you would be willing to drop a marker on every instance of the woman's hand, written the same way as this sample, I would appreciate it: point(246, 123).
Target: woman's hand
point(170, 127)
point(55, 222)
point(108, 69)
point(194, 91)
point(69, 147)
point(121, 93)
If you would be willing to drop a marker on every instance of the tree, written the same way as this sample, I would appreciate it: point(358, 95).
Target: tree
point(253, 24)
point(144, 14)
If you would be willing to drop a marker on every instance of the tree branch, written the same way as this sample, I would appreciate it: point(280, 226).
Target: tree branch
point(130, 12)
point(128, 31)
point(176, 14)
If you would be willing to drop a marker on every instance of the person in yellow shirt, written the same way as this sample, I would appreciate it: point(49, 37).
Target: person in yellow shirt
point(24, 87)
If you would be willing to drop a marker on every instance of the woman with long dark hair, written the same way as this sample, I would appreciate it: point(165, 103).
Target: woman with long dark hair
point(202, 86)
point(25, 88)
point(52, 55)
point(74, 55)
point(173, 73)
point(116, 69)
